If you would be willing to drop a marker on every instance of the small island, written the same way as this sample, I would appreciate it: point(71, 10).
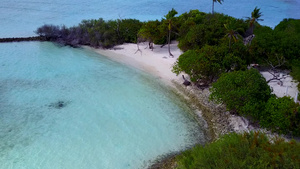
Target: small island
point(227, 66)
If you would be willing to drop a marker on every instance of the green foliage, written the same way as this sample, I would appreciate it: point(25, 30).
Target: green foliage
point(282, 115)
point(240, 56)
point(94, 32)
point(128, 30)
point(248, 150)
point(206, 64)
point(207, 29)
point(253, 20)
point(289, 25)
point(263, 45)
point(168, 25)
point(247, 93)
point(243, 92)
point(255, 16)
point(203, 65)
point(171, 14)
point(283, 41)
point(189, 20)
point(150, 31)
point(288, 38)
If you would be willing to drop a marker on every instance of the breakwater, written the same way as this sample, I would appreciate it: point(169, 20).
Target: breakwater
point(22, 39)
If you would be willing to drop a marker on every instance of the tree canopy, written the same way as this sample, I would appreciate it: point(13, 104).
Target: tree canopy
point(243, 92)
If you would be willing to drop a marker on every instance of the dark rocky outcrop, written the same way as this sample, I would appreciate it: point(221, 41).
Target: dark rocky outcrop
point(59, 104)
point(186, 82)
point(22, 39)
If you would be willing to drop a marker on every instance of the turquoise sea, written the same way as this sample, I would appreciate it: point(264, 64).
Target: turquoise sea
point(69, 108)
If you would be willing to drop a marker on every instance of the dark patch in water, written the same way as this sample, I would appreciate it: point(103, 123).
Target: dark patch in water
point(59, 104)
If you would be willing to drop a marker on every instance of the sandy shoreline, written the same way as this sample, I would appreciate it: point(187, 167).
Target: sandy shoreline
point(156, 62)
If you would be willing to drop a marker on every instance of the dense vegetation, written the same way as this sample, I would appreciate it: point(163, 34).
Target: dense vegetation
point(96, 33)
point(248, 150)
point(273, 48)
point(247, 93)
point(243, 92)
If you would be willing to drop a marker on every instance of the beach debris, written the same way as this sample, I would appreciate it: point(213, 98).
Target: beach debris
point(274, 71)
point(186, 82)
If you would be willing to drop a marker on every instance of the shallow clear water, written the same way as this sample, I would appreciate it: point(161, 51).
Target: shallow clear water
point(113, 116)
point(22, 17)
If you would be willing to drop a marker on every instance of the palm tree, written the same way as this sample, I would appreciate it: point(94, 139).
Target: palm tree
point(169, 18)
point(231, 34)
point(255, 17)
point(213, 5)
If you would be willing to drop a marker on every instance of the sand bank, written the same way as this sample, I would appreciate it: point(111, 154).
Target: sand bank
point(156, 62)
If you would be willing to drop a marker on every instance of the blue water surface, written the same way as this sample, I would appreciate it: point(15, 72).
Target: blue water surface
point(111, 116)
point(22, 17)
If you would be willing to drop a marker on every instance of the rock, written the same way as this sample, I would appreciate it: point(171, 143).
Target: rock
point(59, 104)
point(186, 82)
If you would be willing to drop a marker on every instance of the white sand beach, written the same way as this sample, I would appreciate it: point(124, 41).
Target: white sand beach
point(159, 64)
point(288, 87)
point(156, 62)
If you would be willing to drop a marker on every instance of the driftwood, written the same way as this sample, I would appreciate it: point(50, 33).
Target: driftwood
point(276, 77)
point(151, 46)
point(274, 72)
point(138, 46)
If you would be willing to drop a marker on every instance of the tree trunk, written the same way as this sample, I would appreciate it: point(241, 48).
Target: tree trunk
point(229, 43)
point(213, 6)
point(150, 45)
point(169, 41)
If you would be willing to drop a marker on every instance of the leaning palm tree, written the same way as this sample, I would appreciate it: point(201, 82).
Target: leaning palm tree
point(213, 5)
point(169, 18)
point(255, 17)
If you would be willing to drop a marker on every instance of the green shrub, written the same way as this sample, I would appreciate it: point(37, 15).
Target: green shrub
point(128, 30)
point(248, 150)
point(207, 29)
point(202, 65)
point(262, 44)
point(235, 58)
point(284, 41)
point(282, 115)
point(243, 92)
point(188, 20)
